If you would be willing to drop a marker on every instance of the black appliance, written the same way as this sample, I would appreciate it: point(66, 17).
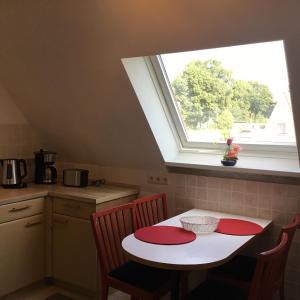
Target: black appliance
point(13, 171)
point(45, 171)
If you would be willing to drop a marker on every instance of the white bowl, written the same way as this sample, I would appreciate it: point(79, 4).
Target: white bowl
point(199, 224)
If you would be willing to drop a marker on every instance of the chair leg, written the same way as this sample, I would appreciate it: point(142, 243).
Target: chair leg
point(281, 292)
point(104, 291)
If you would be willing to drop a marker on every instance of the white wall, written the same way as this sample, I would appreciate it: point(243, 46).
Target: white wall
point(9, 112)
point(17, 138)
point(62, 62)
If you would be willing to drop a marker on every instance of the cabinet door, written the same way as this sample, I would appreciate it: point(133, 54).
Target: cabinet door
point(22, 255)
point(74, 252)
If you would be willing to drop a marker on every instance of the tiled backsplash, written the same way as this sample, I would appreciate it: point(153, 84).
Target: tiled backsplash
point(279, 202)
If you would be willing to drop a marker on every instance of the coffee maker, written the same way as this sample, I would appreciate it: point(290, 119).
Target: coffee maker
point(45, 171)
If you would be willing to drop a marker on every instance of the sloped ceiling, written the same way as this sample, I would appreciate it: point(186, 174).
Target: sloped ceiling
point(60, 61)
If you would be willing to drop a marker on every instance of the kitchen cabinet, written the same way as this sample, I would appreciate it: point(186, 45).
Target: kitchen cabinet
point(45, 232)
point(74, 255)
point(22, 245)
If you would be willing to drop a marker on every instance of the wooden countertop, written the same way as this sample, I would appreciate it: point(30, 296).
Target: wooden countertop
point(91, 194)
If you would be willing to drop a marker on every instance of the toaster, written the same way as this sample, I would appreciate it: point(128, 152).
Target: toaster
point(75, 177)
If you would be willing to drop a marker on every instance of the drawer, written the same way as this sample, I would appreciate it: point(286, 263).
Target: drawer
point(73, 208)
point(21, 209)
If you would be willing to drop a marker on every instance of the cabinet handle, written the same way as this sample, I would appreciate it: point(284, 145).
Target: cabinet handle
point(59, 221)
point(30, 224)
point(15, 209)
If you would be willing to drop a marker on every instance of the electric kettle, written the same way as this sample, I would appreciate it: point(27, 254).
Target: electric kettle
point(13, 171)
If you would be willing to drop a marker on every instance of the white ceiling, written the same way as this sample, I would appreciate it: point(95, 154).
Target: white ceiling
point(60, 62)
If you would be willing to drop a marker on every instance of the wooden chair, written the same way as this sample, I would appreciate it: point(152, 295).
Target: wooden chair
point(151, 210)
point(140, 281)
point(266, 280)
point(239, 271)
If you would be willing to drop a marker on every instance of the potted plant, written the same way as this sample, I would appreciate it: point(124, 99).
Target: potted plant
point(231, 152)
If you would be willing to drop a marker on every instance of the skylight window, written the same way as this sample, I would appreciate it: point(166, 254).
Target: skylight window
point(239, 91)
point(194, 100)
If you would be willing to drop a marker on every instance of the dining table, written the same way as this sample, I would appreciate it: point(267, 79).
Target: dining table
point(206, 251)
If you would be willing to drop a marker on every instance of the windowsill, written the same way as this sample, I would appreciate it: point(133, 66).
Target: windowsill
point(246, 167)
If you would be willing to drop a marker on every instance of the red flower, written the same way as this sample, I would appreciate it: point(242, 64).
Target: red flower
point(229, 141)
point(236, 148)
point(231, 154)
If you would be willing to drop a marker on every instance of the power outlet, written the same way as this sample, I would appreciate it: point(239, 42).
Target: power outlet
point(155, 179)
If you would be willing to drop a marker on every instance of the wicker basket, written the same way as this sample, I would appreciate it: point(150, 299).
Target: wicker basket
point(199, 224)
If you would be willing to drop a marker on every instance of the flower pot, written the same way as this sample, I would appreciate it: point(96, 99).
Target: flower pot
point(228, 163)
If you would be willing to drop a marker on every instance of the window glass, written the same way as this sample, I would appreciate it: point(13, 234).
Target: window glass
point(240, 92)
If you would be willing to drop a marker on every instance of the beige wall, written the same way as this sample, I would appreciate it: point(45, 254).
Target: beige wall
point(61, 61)
point(9, 113)
point(17, 138)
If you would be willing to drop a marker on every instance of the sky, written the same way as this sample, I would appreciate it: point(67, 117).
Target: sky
point(263, 62)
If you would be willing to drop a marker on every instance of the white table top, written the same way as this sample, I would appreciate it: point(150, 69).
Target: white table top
point(206, 251)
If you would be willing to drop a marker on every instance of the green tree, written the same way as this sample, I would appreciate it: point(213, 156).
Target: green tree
point(205, 89)
point(224, 122)
point(202, 91)
point(240, 107)
point(260, 100)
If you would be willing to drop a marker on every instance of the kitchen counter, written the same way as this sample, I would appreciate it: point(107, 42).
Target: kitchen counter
point(48, 233)
point(91, 194)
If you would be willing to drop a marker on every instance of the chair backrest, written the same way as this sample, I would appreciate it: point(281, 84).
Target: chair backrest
point(110, 227)
point(290, 230)
point(269, 271)
point(151, 210)
point(297, 217)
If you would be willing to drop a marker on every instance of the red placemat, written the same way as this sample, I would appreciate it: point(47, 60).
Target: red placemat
point(165, 235)
point(238, 227)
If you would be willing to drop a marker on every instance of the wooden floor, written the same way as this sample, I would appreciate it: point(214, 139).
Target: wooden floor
point(42, 291)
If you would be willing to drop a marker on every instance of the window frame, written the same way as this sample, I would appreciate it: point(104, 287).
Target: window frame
point(157, 69)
